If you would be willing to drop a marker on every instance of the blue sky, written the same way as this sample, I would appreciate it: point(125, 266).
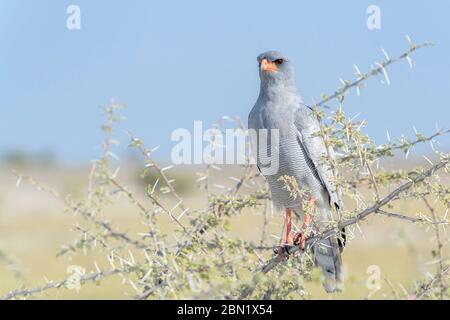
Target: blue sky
point(176, 62)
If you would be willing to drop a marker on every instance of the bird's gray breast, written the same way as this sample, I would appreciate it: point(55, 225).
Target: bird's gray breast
point(291, 158)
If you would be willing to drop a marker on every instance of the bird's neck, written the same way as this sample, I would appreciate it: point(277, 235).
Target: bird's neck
point(275, 90)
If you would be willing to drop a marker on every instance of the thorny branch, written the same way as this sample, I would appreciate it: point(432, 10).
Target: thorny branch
point(59, 284)
point(361, 77)
point(358, 217)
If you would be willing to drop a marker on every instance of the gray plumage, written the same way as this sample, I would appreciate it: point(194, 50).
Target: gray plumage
point(300, 155)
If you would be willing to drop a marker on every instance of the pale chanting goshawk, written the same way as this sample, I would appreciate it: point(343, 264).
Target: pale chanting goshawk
point(300, 152)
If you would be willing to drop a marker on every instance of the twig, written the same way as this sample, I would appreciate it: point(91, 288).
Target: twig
point(439, 248)
point(425, 288)
point(411, 219)
point(58, 284)
point(379, 151)
point(78, 208)
point(339, 94)
point(335, 230)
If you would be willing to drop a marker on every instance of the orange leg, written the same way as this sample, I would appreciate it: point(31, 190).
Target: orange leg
point(300, 238)
point(289, 237)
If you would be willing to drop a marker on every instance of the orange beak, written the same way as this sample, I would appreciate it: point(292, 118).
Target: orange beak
point(268, 66)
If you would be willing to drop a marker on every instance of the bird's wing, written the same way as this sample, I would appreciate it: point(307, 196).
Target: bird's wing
point(315, 151)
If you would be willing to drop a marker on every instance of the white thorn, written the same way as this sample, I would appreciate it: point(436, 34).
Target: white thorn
point(385, 73)
point(167, 168)
point(96, 267)
point(154, 186)
point(410, 61)
point(202, 178)
point(409, 39)
point(19, 181)
point(385, 54)
point(113, 155)
point(154, 149)
point(428, 160)
point(182, 214)
point(116, 173)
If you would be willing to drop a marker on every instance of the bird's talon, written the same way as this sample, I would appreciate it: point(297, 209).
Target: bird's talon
point(279, 250)
point(282, 251)
point(300, 240)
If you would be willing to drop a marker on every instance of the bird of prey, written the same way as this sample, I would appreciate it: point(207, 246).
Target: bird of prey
point(300, 152)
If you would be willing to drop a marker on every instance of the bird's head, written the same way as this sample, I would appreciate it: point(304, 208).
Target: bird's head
point(274, 67)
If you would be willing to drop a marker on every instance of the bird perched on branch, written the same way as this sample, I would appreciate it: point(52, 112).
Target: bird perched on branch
point(286, 133)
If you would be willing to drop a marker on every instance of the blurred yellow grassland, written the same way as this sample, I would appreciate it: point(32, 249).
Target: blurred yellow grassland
point(34, 227)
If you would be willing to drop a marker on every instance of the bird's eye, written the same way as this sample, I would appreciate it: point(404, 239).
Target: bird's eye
point(279, 61)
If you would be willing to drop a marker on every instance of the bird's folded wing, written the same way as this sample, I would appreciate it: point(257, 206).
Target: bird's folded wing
point(316, 152)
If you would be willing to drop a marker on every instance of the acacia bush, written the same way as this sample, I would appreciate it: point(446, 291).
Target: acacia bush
point(198, 258)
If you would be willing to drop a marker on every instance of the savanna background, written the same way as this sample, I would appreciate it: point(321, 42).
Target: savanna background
point(174, 63)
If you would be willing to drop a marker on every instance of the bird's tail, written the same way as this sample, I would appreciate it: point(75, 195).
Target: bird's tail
point(327, 256)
